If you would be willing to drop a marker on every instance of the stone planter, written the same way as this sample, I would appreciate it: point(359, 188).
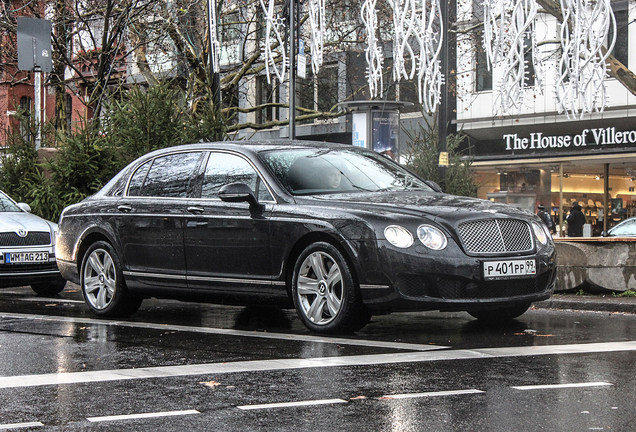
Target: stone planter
point(596, 264)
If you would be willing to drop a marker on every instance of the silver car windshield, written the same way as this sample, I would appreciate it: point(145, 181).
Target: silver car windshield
point(7, 204)
point(322, 171)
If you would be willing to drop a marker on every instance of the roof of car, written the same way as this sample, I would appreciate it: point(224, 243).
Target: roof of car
point(255, 146)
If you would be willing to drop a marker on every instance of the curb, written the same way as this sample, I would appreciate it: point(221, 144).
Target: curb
point(589, 303)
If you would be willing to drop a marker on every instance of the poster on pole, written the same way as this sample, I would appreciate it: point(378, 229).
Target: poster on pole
point(359, 128)
point(386, 132)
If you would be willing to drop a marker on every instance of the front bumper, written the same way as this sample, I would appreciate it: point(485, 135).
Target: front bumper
point(418, 279)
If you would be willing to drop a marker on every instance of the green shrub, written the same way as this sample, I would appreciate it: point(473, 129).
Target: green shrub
point(423, 159)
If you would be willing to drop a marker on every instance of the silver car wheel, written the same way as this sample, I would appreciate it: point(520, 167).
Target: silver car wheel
point(100, 279)
point(320, 288)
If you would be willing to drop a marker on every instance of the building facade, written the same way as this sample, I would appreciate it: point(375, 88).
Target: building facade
point(540, 156)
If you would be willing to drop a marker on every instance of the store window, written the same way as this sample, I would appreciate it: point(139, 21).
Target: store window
point(583, 184)
point(26, 107)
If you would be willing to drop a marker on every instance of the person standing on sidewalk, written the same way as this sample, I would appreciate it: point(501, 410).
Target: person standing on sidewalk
point(546, 218)
point(576, 220)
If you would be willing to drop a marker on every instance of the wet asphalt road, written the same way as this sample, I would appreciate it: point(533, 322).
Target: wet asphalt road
point(190, 367)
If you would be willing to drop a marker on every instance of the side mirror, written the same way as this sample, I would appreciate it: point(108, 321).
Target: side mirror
point(240, 192)
point(604, 234)
point(25, 207)
point(434, 186)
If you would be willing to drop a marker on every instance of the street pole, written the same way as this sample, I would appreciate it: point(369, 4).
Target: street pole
point(215, 78)
point(37, 96)
point(292, 69)
point(446, 112)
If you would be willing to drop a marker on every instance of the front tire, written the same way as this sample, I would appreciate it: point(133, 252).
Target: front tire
point(49, 288)
point(501, 315)
point(102, 283)
point(324, 291)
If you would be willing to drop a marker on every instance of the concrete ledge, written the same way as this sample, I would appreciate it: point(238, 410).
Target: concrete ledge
point(596, 264)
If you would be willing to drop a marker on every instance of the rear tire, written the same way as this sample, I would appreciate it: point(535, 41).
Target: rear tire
point(49, 288)
point(102, 283)
point(500, 315)
point(324, 292)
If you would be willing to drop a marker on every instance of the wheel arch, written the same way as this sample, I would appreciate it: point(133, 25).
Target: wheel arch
point(315, 237)
point(88, 238)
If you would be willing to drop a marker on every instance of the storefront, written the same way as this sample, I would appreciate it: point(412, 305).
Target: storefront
point(592, 163)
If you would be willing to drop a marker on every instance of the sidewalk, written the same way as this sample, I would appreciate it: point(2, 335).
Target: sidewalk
point(597, 302)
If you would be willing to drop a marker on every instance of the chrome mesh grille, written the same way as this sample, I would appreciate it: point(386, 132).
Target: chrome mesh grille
point(495, 236)
point(34, 238)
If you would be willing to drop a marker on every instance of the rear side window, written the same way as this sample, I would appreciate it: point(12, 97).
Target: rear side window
point(166, 176)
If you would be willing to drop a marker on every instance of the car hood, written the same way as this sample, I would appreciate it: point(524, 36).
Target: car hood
point(416, 203)
point(14, 221)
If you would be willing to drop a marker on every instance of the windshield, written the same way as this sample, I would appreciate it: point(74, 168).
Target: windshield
point(7, 204)
point(321, 171)
point(625, 228)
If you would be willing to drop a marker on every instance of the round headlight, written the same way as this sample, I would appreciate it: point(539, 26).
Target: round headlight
point(431, 237)
point(398, 236)
point(540, 232)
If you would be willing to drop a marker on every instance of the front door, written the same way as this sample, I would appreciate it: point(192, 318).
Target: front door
point(227, 247)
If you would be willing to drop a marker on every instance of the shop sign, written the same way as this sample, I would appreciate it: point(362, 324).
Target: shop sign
point(597, 137)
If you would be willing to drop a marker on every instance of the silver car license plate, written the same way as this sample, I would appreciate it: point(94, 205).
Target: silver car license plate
point(26, 257)
point(509, 269)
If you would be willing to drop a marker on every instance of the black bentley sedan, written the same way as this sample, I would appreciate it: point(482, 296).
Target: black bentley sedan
point(339, 232)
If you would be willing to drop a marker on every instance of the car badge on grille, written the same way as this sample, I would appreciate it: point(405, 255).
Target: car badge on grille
point(22, 232)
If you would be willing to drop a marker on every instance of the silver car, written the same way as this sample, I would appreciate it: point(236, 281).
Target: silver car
point(27, 249)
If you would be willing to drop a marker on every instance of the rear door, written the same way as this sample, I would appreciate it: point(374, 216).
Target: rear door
point(150, 220)
point(227, 248)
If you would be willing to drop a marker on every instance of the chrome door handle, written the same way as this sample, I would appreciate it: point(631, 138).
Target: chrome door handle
point(124, 208)
point(196, 210)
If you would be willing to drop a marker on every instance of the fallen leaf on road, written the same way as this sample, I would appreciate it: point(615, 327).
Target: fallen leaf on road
point(211, 384)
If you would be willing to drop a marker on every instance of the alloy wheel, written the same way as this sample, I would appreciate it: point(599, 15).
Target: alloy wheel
point(320, 288)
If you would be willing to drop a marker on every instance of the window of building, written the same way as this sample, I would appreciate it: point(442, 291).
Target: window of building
point(69, 111)
point(621, 48)
point(26, 107)
point(266, 93)
point(327, 88)
point(483, 75)
point(527, 55)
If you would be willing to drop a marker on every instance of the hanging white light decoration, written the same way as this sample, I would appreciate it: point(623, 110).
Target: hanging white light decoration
point(429, 33)
point(508, 33)
point(316, 11)
point(274, 30)
point(581, 78)
point(404, 24)
point(374, 55)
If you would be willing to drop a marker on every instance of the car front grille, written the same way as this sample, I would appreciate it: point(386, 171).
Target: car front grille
point(495, 236)
point(35, 238)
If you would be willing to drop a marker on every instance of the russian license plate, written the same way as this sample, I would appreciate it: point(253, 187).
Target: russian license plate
point(509, 269)
point(25, 257)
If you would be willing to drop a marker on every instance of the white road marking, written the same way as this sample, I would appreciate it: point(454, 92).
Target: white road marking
point(50, 300)
point(20, 425)
point(432, 394)
point(291, 364)
point(141, 416)
point(230, 332)
point(292, 404)
point(561, 386)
